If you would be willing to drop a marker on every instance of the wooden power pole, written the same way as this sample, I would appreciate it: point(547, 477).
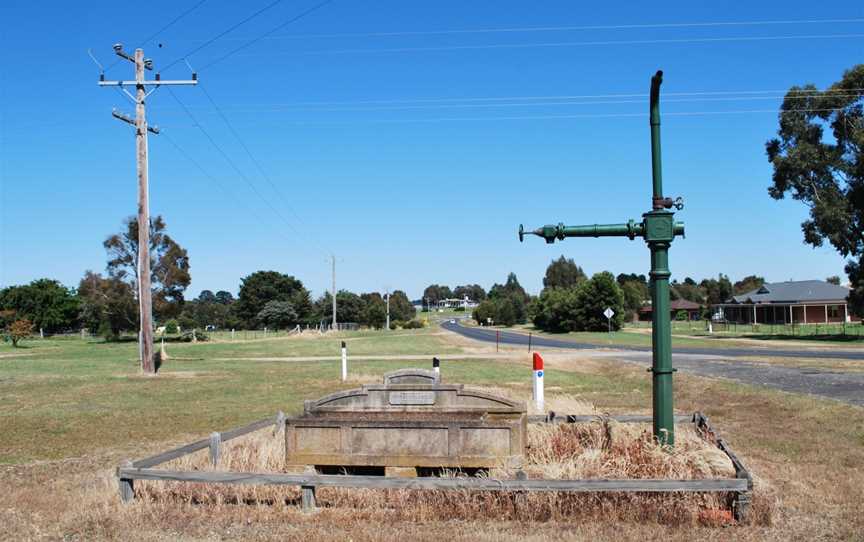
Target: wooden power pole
point(145, 303)
point(333, 259)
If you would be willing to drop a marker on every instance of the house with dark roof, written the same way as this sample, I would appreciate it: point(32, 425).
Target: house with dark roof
point(791, 302)
point(693, 310)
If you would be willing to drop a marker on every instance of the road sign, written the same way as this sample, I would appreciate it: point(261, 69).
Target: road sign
point(608, 313)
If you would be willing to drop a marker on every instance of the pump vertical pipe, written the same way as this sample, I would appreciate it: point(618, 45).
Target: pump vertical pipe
point(538, 382)
point(656, 160)
point(658, 240)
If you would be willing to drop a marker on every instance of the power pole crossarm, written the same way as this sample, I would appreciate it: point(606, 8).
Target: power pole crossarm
point(154, 82)
point(145, 303)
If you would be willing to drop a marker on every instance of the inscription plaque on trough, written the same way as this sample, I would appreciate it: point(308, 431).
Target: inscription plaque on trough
point(412, 420)
point(412, 397)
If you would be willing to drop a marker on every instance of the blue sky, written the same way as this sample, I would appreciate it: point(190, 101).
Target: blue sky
point(408, 147)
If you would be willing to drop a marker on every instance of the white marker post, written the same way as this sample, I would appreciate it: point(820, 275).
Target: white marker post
point(344, 362)
point(538, 382)
point(436, 365)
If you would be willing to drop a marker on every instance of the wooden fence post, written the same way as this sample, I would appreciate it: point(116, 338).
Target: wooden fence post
point(126, 486)
point(215, 447)
point(307, 499)
point(280, 423)
point(741, 506)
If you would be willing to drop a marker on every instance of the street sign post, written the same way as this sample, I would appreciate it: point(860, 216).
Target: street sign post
point(658, 228)
point(609, 313)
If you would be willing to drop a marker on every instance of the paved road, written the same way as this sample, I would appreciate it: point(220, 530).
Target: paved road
point(509, 337)
point(716, 362)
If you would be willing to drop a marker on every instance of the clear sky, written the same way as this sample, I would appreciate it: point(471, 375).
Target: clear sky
point(409, 138)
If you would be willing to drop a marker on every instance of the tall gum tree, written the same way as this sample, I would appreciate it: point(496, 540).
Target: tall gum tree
point(169, 264)
point(817, 159)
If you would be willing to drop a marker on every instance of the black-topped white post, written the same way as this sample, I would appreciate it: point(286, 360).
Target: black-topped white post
point(344, 362)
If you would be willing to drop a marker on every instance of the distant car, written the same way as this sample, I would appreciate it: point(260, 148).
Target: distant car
point(452, 321)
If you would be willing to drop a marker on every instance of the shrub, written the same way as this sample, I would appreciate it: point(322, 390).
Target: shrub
point(504, 311)
point(19, 329)
point(186, 337)
point(171, 327)
point(412, 324)
point(186, 322)
point(580, 308)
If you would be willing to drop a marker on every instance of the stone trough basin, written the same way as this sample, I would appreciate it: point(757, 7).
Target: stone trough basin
point(410, 424)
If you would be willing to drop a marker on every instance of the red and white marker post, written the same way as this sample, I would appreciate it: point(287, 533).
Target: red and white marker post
point(538, 382)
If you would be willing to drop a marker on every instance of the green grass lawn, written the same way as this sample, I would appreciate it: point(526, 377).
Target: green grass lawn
point(60, 397)
point(65, 397)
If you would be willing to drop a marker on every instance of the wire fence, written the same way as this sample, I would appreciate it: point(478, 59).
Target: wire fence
point(841, 329)
point(220, 334)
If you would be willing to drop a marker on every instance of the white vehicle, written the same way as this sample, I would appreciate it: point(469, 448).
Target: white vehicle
point(452, 321)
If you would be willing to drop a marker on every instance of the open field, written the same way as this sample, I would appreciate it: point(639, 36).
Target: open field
point(71, 410)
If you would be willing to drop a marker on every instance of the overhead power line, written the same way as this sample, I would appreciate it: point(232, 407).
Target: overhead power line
point(276, 108)
point(223, 33)
point(601, 43)
point(233, 165)
point(221, 185)
point(260, 168)
point(164, 28)
point(547, 117)
point(526, 29)
point(252, 41)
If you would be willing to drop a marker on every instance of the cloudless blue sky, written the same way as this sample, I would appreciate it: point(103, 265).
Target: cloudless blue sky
point(412, 154)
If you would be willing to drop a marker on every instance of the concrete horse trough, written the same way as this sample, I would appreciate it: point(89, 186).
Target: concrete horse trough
point(410, 425)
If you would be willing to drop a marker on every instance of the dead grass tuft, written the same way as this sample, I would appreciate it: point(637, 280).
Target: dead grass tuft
point(599, 449)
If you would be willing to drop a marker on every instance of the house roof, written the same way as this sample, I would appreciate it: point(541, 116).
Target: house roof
point(793, 292)
point(677, 305)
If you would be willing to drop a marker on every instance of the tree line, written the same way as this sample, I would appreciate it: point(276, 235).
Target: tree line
point(572, 301)
point(107, 304)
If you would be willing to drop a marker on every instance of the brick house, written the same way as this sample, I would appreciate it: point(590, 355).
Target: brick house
point(792, 302)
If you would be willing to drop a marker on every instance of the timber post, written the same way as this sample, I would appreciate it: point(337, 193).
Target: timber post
point(215, 447)
point(307, 498)
point(126, 485)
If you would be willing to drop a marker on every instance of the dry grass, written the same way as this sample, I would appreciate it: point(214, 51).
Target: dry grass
point(599, 449)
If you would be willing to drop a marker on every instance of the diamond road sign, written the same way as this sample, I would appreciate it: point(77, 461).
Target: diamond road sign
point(608, 313)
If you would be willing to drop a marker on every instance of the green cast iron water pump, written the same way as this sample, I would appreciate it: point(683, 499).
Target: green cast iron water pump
point(658, 228)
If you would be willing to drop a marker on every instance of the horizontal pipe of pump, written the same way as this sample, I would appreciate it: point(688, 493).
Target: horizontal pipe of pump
point(631, 229)
point(603, 230)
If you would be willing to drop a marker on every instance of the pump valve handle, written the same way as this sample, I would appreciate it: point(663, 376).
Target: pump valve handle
point(547, 232)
